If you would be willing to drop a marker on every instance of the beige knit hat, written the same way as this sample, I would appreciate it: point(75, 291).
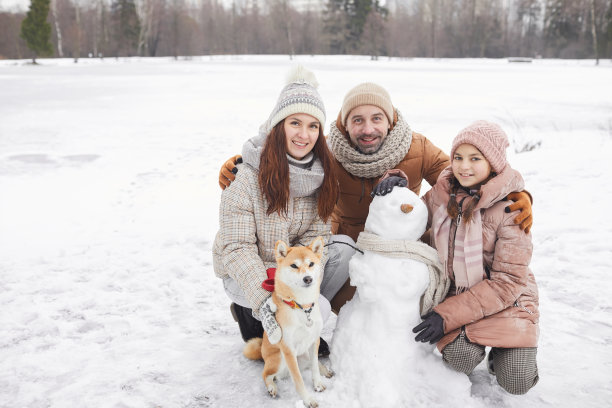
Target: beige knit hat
point(298, 96)
point(367, 94)
point(487, 137)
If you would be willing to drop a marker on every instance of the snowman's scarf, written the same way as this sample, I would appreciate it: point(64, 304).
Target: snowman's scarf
point(418, 251)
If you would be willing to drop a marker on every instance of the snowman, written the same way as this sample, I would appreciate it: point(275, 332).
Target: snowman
point(398, 280)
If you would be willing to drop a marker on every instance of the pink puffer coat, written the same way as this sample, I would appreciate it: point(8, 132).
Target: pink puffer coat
point(502, 309)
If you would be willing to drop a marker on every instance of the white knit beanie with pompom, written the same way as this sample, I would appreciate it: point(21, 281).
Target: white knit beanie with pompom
point(298, 96)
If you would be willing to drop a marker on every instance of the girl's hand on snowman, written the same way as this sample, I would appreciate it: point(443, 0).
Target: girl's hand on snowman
point(431, 328)
point(386, 185)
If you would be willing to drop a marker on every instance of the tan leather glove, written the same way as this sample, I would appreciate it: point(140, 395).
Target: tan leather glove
point(228, 171)
point(522, 201)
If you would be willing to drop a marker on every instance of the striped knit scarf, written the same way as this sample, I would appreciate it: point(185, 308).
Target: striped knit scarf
point(467, 258)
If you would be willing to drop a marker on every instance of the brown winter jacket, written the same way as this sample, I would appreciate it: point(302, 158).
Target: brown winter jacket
point(502, 309)
point(423, 161)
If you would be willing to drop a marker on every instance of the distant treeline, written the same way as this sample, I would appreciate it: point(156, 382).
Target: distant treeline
point(404, 28)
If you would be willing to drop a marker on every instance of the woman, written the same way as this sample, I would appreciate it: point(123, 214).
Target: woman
point(284, 189)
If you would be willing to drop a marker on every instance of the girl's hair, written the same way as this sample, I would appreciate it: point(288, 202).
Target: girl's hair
point(274, 173)
point(452, 208)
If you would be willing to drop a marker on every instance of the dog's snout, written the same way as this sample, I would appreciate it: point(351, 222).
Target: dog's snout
point(307, 280)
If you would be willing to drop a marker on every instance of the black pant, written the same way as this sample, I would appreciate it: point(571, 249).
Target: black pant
point(249, 326)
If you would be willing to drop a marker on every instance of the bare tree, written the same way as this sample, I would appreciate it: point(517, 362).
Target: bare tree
point(151, 13)
point(58, 31)
point(374, 34)
point(77, 49)
point(11, 44)
point(175, 15)
point(433, 10)
point(99, 29)
point(415, 28)
point(594, 33)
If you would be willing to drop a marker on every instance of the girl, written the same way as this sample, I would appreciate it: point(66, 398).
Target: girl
point(285, 189)
point(493, 300)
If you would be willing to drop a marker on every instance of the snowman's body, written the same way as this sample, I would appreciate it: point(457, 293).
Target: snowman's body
point(373, 348)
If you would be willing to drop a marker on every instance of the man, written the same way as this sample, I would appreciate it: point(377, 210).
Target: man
point(370, 137)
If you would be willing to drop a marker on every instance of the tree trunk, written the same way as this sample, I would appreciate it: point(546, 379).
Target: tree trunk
point(58, 31)
point(145, 27)
point(434, 18)
point(288, 29)
point(594, 32)
point(77, 52)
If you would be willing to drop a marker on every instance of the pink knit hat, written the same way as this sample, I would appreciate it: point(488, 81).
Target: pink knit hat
point(487, 137)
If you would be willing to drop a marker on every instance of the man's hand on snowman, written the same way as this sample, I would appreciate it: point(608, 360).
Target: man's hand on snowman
point(386, 185)
point(522, 202)
point(431, 328)
point(268, 320)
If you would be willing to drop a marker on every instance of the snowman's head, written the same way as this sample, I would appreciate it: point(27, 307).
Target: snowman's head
point(398, 215)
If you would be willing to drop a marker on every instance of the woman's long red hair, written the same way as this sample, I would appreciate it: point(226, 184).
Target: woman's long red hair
point(274, 173)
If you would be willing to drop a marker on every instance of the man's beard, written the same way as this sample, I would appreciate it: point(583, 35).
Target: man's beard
point(370, 148)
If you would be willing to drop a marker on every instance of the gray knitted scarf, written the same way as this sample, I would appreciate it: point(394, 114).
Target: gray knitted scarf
point(418, 251)
point(393, 150)
point(302, 181)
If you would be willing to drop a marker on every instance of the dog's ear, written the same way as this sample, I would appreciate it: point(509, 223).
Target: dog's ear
point(317, 246)
point(281, 249)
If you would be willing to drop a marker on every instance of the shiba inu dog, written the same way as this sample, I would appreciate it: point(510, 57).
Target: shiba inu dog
point(294, 300)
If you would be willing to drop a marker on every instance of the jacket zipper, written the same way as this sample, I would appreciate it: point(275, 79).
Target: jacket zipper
point(458, 222)
point(451, 241)
point(517, 304)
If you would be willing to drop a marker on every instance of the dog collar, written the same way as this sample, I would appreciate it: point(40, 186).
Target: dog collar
point(296, 305)
point(305, 308)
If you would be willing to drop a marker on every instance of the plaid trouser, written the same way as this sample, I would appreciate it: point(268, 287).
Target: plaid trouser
point(516, 369)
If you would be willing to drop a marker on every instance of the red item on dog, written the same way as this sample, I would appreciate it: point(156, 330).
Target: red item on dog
point(268, 284)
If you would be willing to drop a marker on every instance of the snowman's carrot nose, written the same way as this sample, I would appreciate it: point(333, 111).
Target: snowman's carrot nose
point(406, 208)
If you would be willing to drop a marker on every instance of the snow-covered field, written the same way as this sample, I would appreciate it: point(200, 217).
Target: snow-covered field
point(109, 203)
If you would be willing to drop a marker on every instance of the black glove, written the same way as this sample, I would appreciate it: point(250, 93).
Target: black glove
point(386, 186)
point(431, 328)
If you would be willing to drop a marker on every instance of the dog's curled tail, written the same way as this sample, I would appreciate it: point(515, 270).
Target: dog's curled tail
point(252, 350)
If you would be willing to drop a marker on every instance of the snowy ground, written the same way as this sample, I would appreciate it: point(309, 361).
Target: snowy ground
point(109, 203)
